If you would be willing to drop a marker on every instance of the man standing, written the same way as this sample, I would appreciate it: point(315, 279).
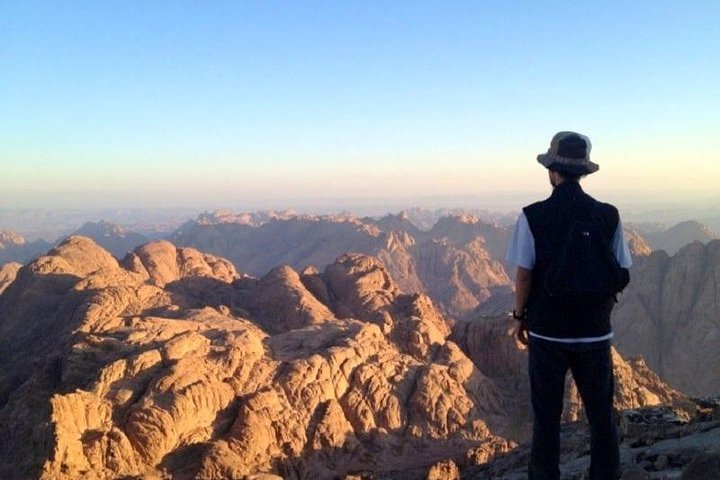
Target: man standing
point(565, 329)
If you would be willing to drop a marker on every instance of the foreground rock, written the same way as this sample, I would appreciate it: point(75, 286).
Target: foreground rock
point(151, 367)
point(170, 363)
point(680, 441)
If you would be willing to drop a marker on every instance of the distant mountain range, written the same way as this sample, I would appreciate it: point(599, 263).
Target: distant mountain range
point(668, 313)
point(676, 237)
point(14, 248)
point(116, 239)
point(419, 223)
point(455, 262)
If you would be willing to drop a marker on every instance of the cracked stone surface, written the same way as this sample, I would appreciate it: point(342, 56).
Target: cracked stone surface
point(171, 364)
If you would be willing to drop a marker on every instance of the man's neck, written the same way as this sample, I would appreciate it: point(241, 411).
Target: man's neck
point(567, 184)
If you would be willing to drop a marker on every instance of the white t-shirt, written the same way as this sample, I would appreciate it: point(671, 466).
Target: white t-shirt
point(521, 252)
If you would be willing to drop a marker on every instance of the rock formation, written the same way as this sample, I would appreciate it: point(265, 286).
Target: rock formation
point(455, 263)
point(170, 363)
point(669, 315)
point(8, 272)
point(638, 245)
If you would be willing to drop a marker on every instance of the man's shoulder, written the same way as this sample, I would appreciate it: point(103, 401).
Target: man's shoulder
point(535, 207)
point(608, 209)
point(537, 215)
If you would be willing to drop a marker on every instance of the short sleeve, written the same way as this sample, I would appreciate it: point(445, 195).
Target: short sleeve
point(521, 250)
point(620, 247)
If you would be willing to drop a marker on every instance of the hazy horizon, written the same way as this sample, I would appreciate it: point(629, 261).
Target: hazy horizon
point(48, 223)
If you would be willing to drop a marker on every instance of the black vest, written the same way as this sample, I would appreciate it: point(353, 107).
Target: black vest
point(549, 220)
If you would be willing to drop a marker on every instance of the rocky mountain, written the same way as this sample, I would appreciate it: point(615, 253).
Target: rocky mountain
point(425, 218)
point(455, 262)
point(637, 243)
point(8, 272)
point(669, 315)
point(15, 248)
point(171, 364)
point(254, 219)
point(676, 237)
point(114, 238)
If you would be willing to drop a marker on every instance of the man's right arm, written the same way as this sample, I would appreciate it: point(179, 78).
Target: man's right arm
point(521, 252)
point(523, 282)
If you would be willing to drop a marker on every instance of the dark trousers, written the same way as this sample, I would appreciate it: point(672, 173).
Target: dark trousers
point(591, 367)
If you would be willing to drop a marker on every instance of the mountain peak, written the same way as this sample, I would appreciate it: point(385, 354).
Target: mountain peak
point(9, 237)
point(163, 263)
point(76, 255)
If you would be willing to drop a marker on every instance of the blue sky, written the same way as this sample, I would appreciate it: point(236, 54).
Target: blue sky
point(243, 104)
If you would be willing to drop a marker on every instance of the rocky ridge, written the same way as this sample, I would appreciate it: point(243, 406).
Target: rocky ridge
point(170, 363)
point(455, 263)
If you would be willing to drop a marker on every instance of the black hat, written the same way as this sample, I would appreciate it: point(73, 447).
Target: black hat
point(569, 153)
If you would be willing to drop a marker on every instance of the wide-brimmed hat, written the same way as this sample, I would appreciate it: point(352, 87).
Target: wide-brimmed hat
point(569, 153)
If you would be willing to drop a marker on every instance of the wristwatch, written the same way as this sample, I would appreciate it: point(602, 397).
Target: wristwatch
point(520, 317)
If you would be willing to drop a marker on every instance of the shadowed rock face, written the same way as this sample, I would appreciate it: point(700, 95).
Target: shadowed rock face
point(668, 315)
point(170, 363)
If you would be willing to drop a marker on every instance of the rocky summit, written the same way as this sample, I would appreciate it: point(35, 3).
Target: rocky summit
point(172, 364)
